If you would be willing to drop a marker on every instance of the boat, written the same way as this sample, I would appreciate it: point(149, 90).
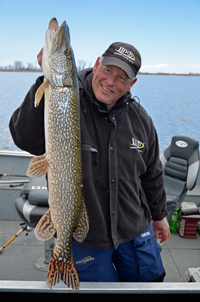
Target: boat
point(24, 260)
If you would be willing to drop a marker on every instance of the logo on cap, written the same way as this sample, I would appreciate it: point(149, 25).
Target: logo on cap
point(126, 53)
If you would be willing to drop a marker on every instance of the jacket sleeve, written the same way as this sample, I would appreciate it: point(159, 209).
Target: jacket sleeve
point(27, 123)
point(152, 179)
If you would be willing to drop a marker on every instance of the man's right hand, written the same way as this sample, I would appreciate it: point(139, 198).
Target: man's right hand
point(39, 57)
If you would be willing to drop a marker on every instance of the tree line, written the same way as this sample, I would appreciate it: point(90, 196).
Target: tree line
point(18, 65)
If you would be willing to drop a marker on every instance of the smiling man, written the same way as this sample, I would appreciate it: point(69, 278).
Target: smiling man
point(122, 174)
point(110, 83)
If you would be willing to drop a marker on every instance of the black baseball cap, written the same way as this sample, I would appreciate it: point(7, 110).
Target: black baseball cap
point(124, 56)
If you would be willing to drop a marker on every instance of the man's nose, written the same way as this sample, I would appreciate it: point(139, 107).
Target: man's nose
point(111, 80)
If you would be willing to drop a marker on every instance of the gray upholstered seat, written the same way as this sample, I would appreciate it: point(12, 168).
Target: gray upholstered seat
point(181, 165)
point(33, 202)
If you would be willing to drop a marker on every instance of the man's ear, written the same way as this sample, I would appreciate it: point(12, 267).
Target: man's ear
point(131, 84)
point(96, 65)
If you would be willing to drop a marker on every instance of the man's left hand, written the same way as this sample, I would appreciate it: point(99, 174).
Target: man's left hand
point(161, 229)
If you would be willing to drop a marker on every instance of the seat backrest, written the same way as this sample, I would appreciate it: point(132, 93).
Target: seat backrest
point(34, 184)
point(36, 191)
point(177, 167)
point(181, 160)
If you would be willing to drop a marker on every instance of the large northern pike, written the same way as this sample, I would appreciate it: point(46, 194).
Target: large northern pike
point(67, 214)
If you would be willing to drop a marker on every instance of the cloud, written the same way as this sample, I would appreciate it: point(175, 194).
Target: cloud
point(195, 65)
point(6, 63)
point(155, 66)
point(171, 68)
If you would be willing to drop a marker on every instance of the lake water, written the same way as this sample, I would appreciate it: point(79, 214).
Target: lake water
point(173, 102)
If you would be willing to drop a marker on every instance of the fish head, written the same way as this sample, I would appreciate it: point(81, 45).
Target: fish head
point(58, 61)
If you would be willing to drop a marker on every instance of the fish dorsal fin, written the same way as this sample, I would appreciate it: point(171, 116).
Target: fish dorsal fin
point(82, 227)
point(45, 228)
point(38, 166)
point(40, 92)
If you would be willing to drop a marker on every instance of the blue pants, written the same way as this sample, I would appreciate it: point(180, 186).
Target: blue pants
point(135, 261)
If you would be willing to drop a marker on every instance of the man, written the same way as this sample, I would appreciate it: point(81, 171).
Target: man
point(122, 174)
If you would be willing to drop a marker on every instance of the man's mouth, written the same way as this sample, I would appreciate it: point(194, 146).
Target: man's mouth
point(106, 89)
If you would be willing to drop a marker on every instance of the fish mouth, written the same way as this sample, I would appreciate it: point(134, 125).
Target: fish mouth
point(58, 60)
point(61, 36)
point(53, 25)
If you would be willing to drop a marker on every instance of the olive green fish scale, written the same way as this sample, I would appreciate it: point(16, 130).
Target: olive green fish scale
point(65, 169)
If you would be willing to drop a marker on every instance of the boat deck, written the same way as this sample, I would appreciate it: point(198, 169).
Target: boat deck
point(17, 270)
point(17, 259)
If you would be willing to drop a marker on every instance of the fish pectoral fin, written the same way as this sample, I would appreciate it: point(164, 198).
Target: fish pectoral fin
point(82, 227)
point(38, 166)
point(40, 92)
point(66, 271)
point(45, 228)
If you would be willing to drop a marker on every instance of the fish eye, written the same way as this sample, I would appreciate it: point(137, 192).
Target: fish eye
point(66, 52)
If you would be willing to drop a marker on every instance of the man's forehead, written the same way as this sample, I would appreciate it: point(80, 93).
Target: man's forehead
point(118, 69)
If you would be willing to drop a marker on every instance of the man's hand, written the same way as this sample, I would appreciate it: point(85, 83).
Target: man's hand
point(161, 229)
point(39, 57)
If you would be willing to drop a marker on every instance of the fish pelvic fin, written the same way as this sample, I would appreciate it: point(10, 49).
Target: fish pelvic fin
point(82, 227)
point(38, 166)
point(45, 228)
point(40, 92)
point(66, 271)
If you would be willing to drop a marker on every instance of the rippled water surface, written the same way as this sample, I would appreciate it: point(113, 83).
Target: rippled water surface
point(173, 102)
point(13, 88)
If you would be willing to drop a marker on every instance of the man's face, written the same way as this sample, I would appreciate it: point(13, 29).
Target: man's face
point(109, 83)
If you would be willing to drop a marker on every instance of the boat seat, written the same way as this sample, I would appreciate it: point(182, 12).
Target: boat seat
point(180, 166)
point(31, 206)
point(33, 201)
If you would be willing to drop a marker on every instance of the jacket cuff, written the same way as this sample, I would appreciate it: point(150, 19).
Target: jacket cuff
point(160, 216)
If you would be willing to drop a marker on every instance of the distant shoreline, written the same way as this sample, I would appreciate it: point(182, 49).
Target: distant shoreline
point(21, 70)
point(172, 74)
point(140, 73)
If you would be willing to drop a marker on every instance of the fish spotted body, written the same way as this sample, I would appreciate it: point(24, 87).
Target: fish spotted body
point(67, 214)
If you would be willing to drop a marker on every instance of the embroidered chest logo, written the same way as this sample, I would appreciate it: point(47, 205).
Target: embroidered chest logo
point(136, 144)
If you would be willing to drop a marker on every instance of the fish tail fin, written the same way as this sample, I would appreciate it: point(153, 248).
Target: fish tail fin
point(38, 166)
point(45, 228)
point(66, 271)
point(54, 272)
point(70, 275)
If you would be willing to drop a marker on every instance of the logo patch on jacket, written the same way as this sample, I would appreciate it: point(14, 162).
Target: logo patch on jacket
point(136, 144)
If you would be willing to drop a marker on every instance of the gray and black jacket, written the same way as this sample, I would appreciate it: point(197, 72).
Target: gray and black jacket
point(122, 174)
